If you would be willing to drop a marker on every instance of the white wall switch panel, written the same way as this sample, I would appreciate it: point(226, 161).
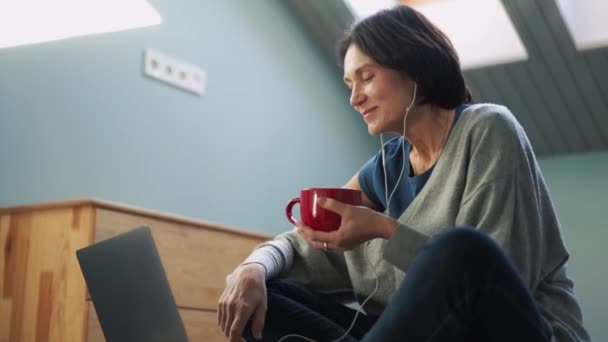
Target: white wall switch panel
point(175, 72)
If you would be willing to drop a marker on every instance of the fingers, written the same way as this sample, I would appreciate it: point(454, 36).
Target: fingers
point(236, 330)
point(226, 310)
point(332, 205)
point(322, 241)
point(221, 312)
point(257, 322)
point(242, 298)
point(223, 307)
point(231, 313)
point(220, 319)
point(316, 237)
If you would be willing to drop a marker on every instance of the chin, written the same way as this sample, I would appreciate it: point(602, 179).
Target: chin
point(373, 130)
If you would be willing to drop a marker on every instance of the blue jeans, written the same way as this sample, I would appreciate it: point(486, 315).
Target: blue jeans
point(460, 287)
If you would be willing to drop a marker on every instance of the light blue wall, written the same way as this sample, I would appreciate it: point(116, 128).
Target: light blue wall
point(579, 188)
point(78, 119)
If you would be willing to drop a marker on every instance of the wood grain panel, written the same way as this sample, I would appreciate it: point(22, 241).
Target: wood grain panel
point(5, 304)
point(132, 210)
point(42, 288)
point(195, 259)
point(17, 247)
point(42, 291)
point(200, 326)
point(44, 307)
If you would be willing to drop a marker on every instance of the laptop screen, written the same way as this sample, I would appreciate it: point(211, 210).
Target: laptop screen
point(130, 290)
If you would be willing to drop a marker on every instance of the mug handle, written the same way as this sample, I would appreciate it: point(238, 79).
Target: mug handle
point(288, 209)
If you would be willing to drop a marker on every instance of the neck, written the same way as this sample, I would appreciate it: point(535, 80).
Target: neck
point(427, 130)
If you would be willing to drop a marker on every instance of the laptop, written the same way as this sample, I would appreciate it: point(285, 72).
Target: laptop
point(129, 289)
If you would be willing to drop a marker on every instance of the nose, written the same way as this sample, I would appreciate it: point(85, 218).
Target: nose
point(357, 97)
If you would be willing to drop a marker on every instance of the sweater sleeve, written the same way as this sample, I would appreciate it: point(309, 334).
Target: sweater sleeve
point(325, 272)
point(504, 195)
point(501, 192)
point(276, 256)
point(500, 208)
point(403, 246)
point(290, 256)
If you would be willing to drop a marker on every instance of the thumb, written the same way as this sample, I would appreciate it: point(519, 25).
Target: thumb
point(257, 322)
point(331, 204)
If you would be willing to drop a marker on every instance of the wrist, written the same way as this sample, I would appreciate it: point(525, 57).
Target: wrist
point(388, 227)
point(249, 273)
point(253, 267)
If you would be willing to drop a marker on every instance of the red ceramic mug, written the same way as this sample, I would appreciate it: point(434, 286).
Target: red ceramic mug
point(313, 215)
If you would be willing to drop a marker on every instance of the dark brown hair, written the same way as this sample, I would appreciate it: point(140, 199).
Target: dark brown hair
point(402, 39)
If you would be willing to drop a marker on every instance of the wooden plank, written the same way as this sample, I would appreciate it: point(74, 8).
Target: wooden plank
point(44, 307)
point(5, 297)
point(199, 325)
point(40, 277)
point(129, 209)
point(15, 281)
point(195, 260)
point(42, 291)
point(45, 206)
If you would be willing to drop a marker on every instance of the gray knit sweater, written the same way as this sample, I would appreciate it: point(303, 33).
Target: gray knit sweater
point(486, 177)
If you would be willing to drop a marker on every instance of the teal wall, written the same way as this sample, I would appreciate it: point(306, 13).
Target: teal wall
point(78, 118)
point(579, 189)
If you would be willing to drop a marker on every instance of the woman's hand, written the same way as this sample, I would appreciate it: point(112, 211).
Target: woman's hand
point(359, 224)
point(243, 298)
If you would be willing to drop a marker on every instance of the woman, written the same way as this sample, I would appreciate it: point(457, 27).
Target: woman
point(457, 238)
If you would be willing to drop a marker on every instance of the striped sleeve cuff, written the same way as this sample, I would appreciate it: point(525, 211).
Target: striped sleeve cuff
point(276, 256)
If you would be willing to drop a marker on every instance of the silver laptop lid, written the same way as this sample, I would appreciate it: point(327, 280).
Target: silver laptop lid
point(130, 290)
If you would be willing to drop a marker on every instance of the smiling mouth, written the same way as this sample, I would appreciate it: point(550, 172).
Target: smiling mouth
point(369, 112)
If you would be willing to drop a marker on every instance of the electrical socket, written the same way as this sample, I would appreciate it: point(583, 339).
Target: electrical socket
point(175, 72)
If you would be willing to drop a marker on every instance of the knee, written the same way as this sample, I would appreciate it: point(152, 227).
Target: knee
point(276, 283)
point(278, 287)
point(465, 243)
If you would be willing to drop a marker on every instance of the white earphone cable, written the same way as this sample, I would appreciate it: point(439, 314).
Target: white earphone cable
point(358, 309)
point(388, 199)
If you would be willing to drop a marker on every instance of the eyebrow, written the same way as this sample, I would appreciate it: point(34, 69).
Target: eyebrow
point(358, 69)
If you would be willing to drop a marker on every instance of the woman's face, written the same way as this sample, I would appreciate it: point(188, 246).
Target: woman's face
point(380, 94)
